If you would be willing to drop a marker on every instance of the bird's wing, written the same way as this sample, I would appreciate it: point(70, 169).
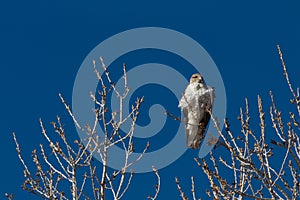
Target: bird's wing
point(186, 119)
point(205, 108)
point(205, 103)
point(188, 104)
point(191, 116)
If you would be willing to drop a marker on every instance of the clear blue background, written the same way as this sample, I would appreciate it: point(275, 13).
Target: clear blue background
point(42, 44)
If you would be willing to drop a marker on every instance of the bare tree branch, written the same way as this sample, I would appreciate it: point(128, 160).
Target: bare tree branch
point(73, 163)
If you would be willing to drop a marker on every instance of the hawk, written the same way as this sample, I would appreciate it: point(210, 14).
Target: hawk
point(196, 104)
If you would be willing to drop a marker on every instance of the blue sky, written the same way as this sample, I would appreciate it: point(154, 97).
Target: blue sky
point(43, 44)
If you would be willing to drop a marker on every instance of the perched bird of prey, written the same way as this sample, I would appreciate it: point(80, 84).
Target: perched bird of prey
point(196, 104)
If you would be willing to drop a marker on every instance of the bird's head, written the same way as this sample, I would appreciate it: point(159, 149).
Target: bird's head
point(196, 78)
